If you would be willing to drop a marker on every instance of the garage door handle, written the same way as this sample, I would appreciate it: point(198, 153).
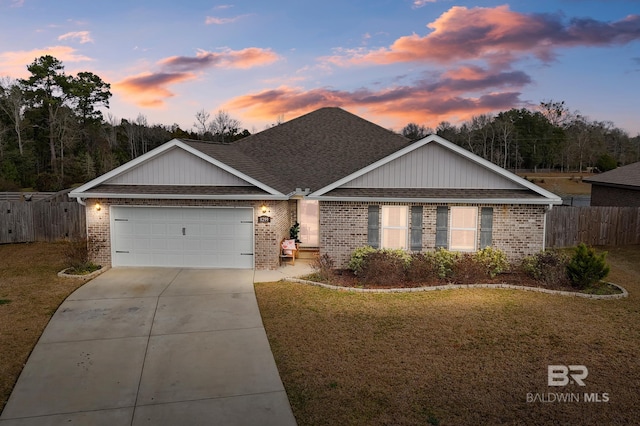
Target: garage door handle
point(184, 231)
point(246, 254)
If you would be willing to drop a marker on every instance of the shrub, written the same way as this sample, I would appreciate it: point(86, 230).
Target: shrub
point(493, 260)
point(467, 270)
point(357, 258)
point(323, 265)
point(384, 266)
point(422, 267)
point(586, 267)
point(549, 267)
point(77, 257)
point(444, 261)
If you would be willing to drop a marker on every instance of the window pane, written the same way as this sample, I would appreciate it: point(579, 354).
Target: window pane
point(394, 216)
point(464, 223)
point(463, 217)
point(463, 240)
point(394, 238)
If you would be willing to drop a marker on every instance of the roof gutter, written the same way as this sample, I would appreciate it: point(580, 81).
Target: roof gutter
point(180, 196)
point(539, 201)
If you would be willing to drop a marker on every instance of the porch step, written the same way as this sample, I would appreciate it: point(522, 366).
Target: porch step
point(308, 252)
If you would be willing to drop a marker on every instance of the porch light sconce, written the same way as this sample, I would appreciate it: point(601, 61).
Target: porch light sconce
point(98, 207)
point(263, 209)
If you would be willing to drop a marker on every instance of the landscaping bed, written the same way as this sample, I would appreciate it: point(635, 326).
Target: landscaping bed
point(395, 269)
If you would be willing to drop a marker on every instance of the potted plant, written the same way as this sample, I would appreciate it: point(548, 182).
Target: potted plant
point(294, 231)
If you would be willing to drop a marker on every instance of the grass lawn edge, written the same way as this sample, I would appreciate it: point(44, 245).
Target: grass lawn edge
point(623, 292)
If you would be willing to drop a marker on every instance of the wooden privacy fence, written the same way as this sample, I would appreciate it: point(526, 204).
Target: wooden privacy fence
point(570, 226)
point(23, 222)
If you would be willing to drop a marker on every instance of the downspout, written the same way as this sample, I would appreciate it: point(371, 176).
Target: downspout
point(544, 227)
point(86, 222)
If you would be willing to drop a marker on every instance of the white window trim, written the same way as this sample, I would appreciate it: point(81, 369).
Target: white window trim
point(405, 228)
point(474, 229)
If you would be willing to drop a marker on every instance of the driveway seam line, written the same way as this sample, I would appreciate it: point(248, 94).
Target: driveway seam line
point(146, 349)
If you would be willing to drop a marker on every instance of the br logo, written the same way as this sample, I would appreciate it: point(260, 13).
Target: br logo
point(562, 375)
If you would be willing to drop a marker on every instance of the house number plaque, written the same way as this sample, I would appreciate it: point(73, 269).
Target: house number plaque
point(264, 219)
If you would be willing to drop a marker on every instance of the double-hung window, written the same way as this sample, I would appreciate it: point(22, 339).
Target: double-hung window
point(464, 228)
point(395, 227)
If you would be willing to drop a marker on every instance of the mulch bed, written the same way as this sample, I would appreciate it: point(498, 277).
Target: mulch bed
point(346, 278)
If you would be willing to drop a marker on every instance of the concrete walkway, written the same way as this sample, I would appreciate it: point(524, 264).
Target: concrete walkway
point(153, 346)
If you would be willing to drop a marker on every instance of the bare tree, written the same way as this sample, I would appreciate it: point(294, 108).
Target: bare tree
point(223, 127)
point(482, 125)
point(142, 127)
point(504, 129)
point(202, 122)
point(13, 104)
point(111, 130)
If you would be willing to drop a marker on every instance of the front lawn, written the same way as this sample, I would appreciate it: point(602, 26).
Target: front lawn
point(458, 356)
point(30, 293)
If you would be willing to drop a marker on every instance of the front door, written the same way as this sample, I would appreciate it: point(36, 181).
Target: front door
point(309, 219)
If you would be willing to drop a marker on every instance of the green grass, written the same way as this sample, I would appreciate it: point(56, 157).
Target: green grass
point(453, 357)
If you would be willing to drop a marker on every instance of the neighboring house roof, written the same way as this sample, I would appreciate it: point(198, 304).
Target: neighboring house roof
point(625, 177)
point(329, 154)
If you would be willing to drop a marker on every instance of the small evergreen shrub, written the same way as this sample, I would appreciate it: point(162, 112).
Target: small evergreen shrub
point(358, 256)
point(493, 260)
point(548, 267)
point(444, 261)
point(586, 267)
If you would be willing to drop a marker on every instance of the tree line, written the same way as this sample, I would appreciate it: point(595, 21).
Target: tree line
point(550, 137)
point(53, 133)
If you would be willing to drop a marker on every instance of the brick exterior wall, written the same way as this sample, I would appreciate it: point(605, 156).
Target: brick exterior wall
point(610, 196)
point(267, 236)
point(518, 230)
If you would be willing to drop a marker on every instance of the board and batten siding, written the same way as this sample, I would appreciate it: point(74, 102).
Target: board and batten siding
point(432, 166)
point(177, 167)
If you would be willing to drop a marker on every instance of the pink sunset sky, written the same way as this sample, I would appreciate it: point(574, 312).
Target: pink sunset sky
point(422, 61)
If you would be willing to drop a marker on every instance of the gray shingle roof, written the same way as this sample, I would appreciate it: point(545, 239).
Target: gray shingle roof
point(627, 176)
point(311, 151)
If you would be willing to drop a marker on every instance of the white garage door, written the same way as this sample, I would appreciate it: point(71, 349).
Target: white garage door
point(182, 237)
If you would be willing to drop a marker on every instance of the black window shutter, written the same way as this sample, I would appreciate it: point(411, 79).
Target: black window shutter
point(416, 228)
point(486, 226)
point(373, 227)
point(442, 226)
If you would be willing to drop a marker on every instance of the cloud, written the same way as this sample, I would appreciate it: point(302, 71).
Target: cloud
point(150, 90)
point(420, 3)
point(245, 58)
point(82, 36)
point(209, 20)
point(15, 63)
point(461, 92)
point(497, 35)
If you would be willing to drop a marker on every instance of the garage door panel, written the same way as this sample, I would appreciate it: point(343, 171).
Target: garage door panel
point(190, 237)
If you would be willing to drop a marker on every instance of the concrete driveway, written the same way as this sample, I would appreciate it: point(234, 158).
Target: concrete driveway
point(154, 346)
